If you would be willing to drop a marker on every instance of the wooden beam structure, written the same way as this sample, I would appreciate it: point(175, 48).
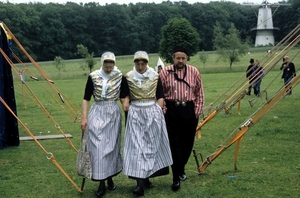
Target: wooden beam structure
point(44, 137)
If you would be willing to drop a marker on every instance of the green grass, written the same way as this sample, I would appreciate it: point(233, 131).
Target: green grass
point(73, 68)
point(268, 163)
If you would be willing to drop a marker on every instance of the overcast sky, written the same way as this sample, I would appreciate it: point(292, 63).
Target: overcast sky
point(103, 2)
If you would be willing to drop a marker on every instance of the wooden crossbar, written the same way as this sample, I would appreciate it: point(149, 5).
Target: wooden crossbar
point(44, 137)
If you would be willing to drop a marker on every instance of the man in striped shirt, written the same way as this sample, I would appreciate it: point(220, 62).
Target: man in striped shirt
point(184, 100)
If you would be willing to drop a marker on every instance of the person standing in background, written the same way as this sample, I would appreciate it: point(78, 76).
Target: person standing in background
point(249, 75)
point(184, 99)
point(103, 123)
point(259, 73)
point(289, 72)
point(160, 65)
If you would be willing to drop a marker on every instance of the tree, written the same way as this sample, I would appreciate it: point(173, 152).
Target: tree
point(52, 34)
point(82, 50)
point(203, 57)
point(59, 63)
point(229, 46)
point(46, 30)
point(178, 31)
point(89, 58)
point(76, 28)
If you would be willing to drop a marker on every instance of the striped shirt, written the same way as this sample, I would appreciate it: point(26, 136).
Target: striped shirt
point(180, 91)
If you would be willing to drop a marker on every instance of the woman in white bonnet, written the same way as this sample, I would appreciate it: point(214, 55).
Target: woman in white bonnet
point(103, 122)
point(159, 66)
point(146, 148)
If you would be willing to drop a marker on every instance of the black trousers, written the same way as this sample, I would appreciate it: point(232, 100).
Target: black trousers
point(181, 124)
point(249, 88)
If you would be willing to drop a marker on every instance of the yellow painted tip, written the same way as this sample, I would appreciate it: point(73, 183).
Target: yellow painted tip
point(199, 134)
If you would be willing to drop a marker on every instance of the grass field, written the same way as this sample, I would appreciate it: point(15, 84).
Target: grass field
point(268, 161)
point(73, 68)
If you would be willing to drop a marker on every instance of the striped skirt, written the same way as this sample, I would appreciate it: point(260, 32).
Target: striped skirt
point(146, 146)
point(104, 139)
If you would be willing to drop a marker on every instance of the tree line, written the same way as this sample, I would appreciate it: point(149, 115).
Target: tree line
point(50, 30)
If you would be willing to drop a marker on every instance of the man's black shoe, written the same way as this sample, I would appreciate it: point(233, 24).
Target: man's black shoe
point(182, 177)
point(175, 185)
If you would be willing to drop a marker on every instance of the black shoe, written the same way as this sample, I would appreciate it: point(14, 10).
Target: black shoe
point(138, 191)
point(148, 184)
point(182, 177)
point(175, 185)
point(100, 191)
point(110, 184)
point(111, 187)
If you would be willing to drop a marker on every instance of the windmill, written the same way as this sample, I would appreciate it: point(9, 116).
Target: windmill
point(264, 29)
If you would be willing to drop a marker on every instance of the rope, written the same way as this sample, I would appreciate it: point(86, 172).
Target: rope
point(50, 82)
point(41, 146)
point(240, 131)
point(237, 94)
point(45, 76)
point(40, 103)
point(65, 174)
point(70, 106)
